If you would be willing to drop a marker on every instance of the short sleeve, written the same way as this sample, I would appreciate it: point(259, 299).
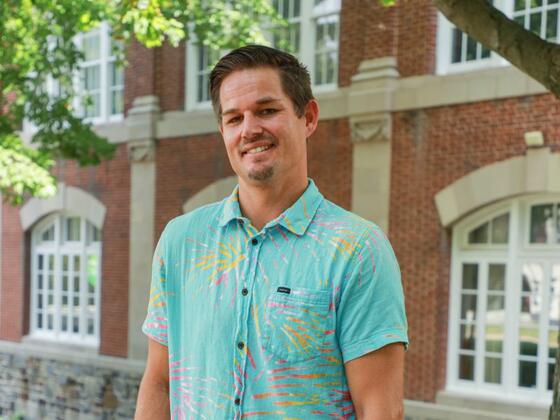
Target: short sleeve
point(371, 311)
point(155, 324)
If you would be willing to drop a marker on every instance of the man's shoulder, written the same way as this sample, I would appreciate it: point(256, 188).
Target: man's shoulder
point(346, 220)
point(207, 215)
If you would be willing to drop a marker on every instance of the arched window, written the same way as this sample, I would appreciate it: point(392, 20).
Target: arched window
point(504, 299)
point(65, 279)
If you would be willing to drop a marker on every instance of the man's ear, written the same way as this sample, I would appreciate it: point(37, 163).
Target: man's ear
point(311, 115)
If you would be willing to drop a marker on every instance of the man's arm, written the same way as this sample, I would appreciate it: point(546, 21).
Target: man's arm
point(153, 397)
point(376, 383)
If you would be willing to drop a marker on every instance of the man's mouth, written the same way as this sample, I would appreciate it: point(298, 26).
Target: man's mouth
point(258, 149)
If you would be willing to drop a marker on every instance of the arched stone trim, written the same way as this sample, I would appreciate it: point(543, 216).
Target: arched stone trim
point(71, 199)
point(210, 194)
point(536, 172)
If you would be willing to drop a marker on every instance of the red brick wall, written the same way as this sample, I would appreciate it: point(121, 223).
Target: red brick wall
point(170, 77)
point(367, 30)
point(431, 149)
point(139, 75)
point(12, 293)
point(417, 26)
point(186, 166)
point(109, 183)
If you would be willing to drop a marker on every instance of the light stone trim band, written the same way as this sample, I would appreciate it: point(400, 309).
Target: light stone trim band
point(71, 199)
point(536, 172)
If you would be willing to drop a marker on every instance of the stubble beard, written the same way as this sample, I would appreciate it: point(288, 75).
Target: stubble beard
point(261, 175)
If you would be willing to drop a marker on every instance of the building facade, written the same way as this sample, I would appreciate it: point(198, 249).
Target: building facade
point(451, 150)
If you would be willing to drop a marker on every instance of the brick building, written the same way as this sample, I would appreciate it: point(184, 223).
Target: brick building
point(451, 150)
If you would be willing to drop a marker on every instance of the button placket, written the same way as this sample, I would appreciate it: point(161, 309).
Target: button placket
point(253, 250)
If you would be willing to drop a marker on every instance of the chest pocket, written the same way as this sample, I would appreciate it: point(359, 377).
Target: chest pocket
point(296, 323)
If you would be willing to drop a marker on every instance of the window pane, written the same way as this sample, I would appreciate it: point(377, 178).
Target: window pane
point(65, 262)
point(527, 374)
point(50, 319)
point(51, 282)
point(494, 337)
point(76, 263)
point(479, 235)
point(552, 343)
point(496, 277)
point(468, 307)
point(51, 262)
point(471, 49)
point(495, 304)
point(551, 25)
point(550, 379)
point(520, 20)
point(542, 224)
point(470, 276)
point(528, 341)
point(468, 337)
point(500, 229)
point(117, 102)
point(75, 324)
point(40, 282)
point(535, 23)
point(535, 3)
point(73, 229)
point(519, 5)
point(91, 78)
point(40, 301)
point(65, 283)
point(64, 323)
point(48, 235)
point(39, 320)
point(92, 268)
point(456, 45)
point(90, 326)
point(554, 308)
point(466, 367)
point(492, 370)
point(40, 262)
point(91, 47)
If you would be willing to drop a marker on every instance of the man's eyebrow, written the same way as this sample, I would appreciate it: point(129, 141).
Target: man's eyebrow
point(261, 101)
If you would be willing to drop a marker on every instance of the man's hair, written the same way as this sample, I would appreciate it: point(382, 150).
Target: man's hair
point(294, 77)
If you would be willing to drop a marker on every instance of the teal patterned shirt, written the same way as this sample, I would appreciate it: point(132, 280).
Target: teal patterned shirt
point(260, 324)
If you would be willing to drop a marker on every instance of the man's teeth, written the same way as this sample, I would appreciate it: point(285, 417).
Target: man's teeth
point(258, 149)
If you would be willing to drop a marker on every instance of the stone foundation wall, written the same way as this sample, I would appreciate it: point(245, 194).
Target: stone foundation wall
point(32, 387)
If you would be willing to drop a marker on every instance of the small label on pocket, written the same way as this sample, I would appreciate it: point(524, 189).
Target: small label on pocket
point(286, 290)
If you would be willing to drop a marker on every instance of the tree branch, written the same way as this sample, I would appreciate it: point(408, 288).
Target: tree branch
point(489, 26)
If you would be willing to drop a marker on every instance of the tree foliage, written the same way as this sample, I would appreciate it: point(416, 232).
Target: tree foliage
point(38, 43)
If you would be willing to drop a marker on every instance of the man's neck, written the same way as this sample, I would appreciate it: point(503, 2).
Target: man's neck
point(263, 203)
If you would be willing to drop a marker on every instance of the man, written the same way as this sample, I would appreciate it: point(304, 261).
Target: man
point(273, 303)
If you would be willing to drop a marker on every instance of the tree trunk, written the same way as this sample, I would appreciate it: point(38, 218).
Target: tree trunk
point(525, 50)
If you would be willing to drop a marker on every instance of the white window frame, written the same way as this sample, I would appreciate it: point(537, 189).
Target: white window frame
point(307, 19)
point(106, 58)
point(444, 43)
point(59, 249)
point(517, 251)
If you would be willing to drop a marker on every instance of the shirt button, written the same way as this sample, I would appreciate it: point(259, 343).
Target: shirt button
point(254, 241)
point(244, 292)
point(240, 345)
point(237, 401)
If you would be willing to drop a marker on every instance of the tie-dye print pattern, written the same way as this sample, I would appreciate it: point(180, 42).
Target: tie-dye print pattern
point(322, 287)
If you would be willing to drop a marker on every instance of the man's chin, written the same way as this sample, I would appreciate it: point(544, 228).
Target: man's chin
point(261, 175)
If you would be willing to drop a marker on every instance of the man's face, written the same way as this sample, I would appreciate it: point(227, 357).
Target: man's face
point(264, 138)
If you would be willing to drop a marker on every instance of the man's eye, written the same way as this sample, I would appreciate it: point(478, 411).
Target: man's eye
point(268, 111)
point(234, 120)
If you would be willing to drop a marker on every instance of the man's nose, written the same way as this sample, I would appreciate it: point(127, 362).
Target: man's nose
point(251, 127)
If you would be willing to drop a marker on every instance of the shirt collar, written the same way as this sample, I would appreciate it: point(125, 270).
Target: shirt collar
point(296, 218)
